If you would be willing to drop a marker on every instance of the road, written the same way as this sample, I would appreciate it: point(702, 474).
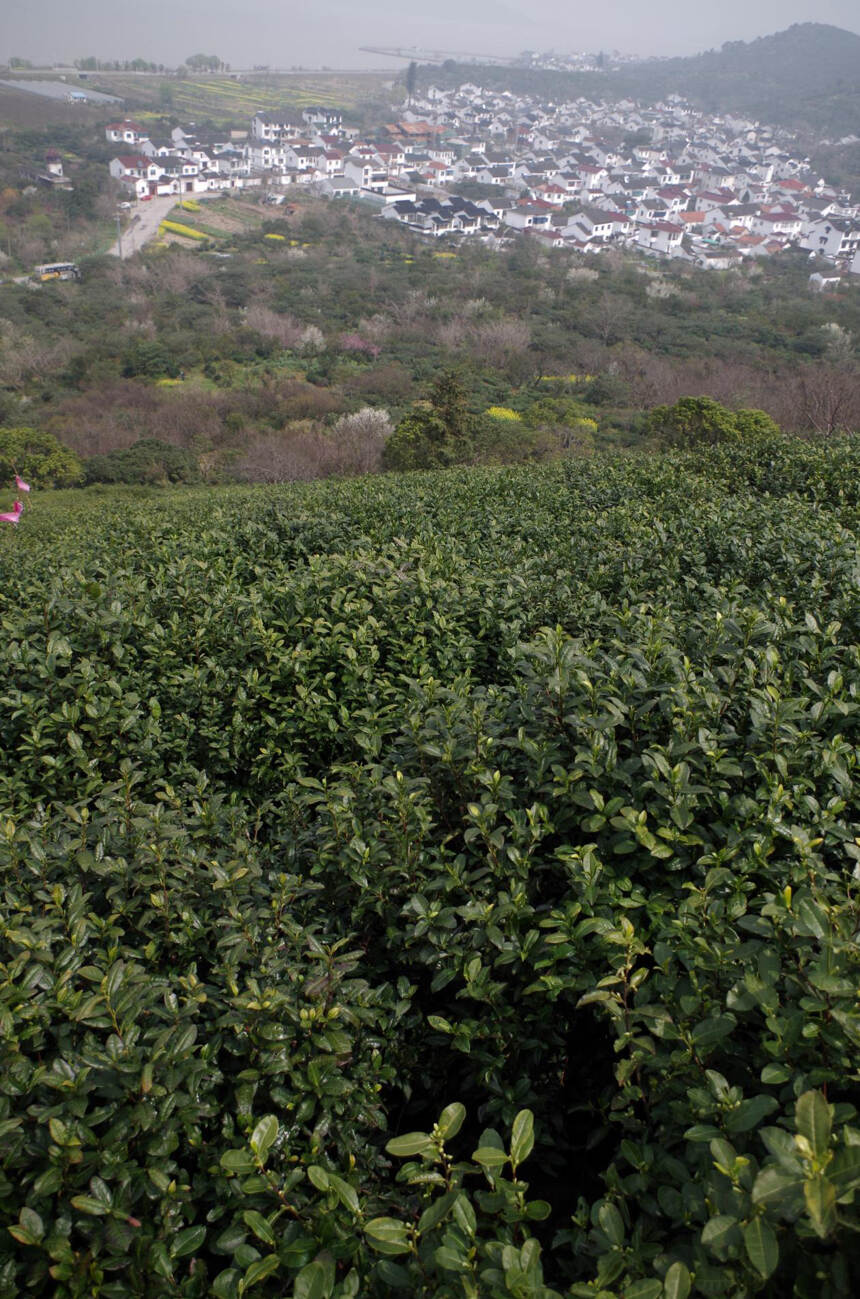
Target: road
point(146, 218)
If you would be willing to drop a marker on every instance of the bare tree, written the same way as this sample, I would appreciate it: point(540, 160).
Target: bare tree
point(829, 398)
point(500, 341)
point(296, 455)
point(271, 324)
point(607, 317)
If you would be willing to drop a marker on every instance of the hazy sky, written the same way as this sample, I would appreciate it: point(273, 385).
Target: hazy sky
point(283, 33)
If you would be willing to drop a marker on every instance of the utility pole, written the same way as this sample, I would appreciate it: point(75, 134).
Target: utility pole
point(119, 235)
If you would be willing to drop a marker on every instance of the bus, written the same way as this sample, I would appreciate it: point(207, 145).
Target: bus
point(56, 271)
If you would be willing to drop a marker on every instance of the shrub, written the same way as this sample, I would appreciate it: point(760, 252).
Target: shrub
point(507, 441)
point(149, 359)
point(606, 389)
point(360, 346)
point(147, 461)
point(554, 411)
point(530, 793)
point(504, 412)
point(753, 424)
point(176, 228)
point(701, 421)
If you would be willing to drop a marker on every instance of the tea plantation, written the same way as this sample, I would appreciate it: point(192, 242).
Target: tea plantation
point(438, 885)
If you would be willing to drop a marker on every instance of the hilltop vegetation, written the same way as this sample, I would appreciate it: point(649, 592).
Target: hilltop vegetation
point(805, 78)
point(435, 885)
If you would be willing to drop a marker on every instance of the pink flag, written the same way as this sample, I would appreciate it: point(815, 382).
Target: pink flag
point(21, 485)
point(15, 515)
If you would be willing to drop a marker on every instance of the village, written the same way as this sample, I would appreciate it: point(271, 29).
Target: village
point(667, 181)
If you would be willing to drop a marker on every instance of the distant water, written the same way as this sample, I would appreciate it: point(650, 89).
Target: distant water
point(60, 90)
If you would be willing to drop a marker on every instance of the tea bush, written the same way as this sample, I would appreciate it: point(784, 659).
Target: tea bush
point(441, 884)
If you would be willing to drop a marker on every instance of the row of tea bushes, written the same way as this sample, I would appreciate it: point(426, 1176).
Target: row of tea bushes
point(441, 884)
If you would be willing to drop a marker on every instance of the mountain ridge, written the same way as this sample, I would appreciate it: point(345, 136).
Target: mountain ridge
point(804, 65)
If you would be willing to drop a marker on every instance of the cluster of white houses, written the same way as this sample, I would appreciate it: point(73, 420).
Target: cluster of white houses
point(183, 164)
point(669, 181)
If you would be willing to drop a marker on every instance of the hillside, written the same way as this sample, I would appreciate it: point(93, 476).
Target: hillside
point(806, 78)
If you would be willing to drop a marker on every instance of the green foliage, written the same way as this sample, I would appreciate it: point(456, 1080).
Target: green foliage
point(39, 457)
point(752, 424)
point(149, 359)
point(559, 411)
point(606, 389)
point(366, 844)
point(421, 441)
point(445, 432)
point(439, 434)
point(204, 62)
point(509, 442)
point(701, 421)
point(146, 461)
point(568, 420)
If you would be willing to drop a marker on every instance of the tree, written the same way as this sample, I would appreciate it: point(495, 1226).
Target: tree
point(411, 80)
point(828, 398)
point(440, 432)
point(204, 62)
point(361, 439)
point(449, 402)
point(838, 344)
point(39, 457)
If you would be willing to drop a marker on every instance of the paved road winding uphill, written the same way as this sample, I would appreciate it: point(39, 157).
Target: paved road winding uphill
point(143, 226)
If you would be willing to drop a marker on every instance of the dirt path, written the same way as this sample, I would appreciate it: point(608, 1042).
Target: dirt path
point(146, 219)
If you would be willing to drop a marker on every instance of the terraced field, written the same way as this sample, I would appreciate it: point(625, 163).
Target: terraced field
point(226, 99)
